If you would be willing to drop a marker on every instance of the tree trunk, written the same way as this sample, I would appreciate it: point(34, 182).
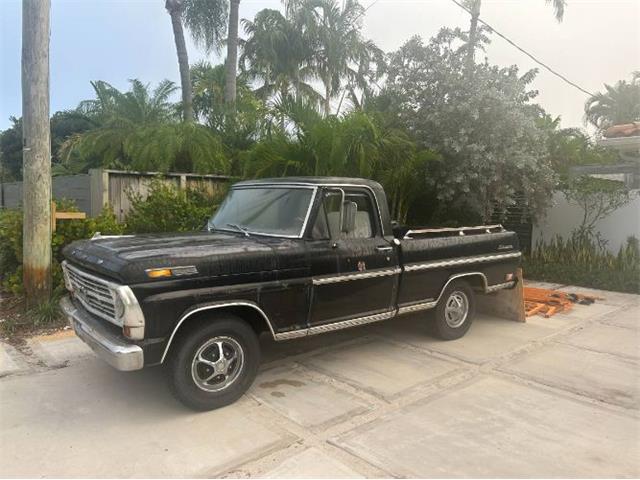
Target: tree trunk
point(232, 54)
point(473, 35)
point(174, 7)
point(36, 153)
point(327, 99)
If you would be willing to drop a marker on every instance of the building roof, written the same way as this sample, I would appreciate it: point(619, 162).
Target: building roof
point(624, 130)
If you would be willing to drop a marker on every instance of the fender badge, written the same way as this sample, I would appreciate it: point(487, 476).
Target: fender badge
point(362, 266)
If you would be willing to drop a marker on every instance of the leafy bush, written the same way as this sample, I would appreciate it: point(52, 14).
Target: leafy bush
point(66, 232)
point(169, 209)
point(584, 261)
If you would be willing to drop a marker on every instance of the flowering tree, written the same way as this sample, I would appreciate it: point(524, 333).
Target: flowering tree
point(484, 126)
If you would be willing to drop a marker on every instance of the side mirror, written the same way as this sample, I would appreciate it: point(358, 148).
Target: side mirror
point(349, 210)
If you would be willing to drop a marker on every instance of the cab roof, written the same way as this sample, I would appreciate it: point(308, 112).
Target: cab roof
point(313, 181)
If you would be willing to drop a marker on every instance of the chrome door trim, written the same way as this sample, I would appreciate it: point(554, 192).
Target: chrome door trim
point(338, 185)
point(412, 267)
point(330, 327)
point(213, 306)
point(382, 272)
point(306, 218)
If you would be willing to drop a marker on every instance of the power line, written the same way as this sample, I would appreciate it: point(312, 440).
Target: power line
point(539, 62)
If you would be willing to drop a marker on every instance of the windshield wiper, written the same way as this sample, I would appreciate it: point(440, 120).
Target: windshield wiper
point(238, 227)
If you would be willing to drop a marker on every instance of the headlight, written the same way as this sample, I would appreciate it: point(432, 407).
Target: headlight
point(127, 308)
point(118, 304)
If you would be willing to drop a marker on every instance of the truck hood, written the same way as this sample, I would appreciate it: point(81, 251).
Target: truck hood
point(125, 258)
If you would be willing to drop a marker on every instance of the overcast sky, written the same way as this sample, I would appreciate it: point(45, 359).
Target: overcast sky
point(114, 40)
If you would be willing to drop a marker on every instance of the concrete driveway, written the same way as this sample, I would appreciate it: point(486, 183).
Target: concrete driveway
point(557, 397)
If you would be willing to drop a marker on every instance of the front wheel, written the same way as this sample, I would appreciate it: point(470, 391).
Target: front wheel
point(213, 364)
point(455, 311)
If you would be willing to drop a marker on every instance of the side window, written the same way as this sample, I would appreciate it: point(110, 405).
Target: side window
point(364, 222)
point(327, 222)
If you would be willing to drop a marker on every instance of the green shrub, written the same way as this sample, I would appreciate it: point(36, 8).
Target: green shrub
point(66, 232)
point(169, 209)
point(584, 261)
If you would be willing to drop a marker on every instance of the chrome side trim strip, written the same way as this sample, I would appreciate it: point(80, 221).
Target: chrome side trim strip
point(416, 307)
point(242, 303)
point(384, 272)
point(412, 267)
point(330, 327)
point(499, 286)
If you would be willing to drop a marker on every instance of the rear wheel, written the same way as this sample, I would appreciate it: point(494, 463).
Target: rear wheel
point(212, 365)
point(455, 311)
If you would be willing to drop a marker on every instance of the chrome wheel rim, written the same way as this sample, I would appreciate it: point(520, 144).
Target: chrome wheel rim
point(217, 364)
point(456, 309)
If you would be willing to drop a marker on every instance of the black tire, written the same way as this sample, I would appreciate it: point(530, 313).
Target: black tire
point(446, 328)
point(232, 334)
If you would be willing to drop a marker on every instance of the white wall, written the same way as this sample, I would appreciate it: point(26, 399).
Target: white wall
point(563, 218)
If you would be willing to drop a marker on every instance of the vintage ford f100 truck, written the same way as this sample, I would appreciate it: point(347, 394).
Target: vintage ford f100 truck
point(290, 257)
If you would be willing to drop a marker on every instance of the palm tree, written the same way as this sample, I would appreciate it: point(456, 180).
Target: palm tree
point(340, 53)
point(473, 6)
point(140, 129)
point(176, 10)
point(277, 53)
point(232, 54)
point(618, 104)
point(206, 20)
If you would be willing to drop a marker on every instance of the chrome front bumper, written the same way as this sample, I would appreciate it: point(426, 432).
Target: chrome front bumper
point(108, 346)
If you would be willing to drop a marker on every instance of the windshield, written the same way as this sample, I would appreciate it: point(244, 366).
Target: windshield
point(279, 211)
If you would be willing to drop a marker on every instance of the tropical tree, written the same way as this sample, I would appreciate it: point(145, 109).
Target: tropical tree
point(492, 150)
point(473, 7)
point(238, 125)
point(618, 104)
point(340, 53)
point(277, 53)
point(140, 129)
point(232, 54)
point(175, 8)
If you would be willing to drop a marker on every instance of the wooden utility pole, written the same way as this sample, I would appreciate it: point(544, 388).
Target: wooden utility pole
point(36, 153)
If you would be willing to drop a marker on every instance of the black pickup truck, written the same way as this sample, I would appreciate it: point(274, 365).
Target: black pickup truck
point(291, 257)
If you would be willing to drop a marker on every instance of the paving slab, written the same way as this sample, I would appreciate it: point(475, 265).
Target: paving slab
point(628, 317)
point(487, 339)
point(380, 367)
point(89, 420)
point(588, 312)
point(308, 402)
point(607, 339)
point(498, 428)
point(603, 377)
point(311, 463)
point(610, 298)
point(8, 362)
point(60, 348)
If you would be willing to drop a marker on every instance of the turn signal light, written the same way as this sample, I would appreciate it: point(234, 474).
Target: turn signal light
point(509, 276)
point(159, 273)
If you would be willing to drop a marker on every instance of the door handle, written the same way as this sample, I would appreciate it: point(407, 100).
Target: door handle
point(384, 249)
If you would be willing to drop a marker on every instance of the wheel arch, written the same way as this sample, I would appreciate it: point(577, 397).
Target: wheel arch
point(477, 280)
point(244, 309)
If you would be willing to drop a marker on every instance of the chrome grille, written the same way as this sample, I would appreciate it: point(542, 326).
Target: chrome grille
point(93, 292)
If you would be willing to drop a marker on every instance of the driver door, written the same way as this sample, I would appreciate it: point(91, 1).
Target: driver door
point(366, 272)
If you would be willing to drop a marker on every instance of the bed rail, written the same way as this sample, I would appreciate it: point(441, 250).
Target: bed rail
point(459, 231)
